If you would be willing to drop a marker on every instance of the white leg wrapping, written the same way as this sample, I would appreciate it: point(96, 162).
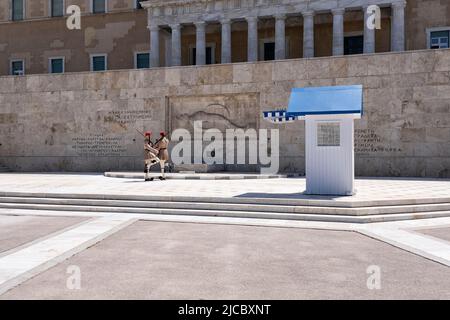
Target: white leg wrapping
point(162, 164)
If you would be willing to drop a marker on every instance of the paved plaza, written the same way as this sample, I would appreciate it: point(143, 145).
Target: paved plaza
point(158, 256)
point(156, 260)
point(16, 231)
point(368, 189)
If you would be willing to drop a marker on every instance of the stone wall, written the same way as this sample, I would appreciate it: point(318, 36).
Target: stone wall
point(123, 31)
point(421, 15)
point(118, 35)
point(38, 9)
point(87, 121)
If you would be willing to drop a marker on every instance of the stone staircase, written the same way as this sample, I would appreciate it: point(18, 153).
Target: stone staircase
point(260, 208)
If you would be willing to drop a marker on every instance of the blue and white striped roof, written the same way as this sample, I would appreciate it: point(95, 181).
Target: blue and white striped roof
point(326, 100)
point(278, 116)
point(276, 113)
point(319, 100)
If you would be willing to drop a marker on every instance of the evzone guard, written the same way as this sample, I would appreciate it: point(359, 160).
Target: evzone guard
point(155, 153)
point(162, 144)
point(150, 155)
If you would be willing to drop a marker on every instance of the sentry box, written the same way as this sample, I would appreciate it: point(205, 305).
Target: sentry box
point(329, 113)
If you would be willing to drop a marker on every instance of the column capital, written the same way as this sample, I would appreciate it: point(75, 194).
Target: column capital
point(153, 27)
point(200, 24)
point(175, 26)
point(251, 19)
point(338, 11)
point(399, 4)
point(280, 16)
point(308, 13)
point(225, 21)
point(366, 6)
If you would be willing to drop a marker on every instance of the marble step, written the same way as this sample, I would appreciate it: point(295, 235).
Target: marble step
point(359, 211)
point(312, 216)
point(273, 200)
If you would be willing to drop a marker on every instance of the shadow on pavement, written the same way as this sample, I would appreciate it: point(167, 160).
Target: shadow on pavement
point(299, 195)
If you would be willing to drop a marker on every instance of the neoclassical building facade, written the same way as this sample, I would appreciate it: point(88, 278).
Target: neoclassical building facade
point(176, 14)
point(127, 34)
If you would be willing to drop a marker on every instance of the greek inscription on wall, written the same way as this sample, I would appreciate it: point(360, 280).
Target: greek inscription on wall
point(8, 118)
point(367, 141)
point(328, 134)
point(128, 116)
point(98, 145)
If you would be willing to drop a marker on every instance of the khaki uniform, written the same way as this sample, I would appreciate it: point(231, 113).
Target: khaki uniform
point(162, 146)
point(150, 153)
point(150, 158)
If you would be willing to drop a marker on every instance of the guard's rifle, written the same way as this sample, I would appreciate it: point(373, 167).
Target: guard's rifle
point(140, 133)
point(157, 141)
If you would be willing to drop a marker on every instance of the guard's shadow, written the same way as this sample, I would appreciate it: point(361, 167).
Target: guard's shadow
point(298, 195)
point(141, 181)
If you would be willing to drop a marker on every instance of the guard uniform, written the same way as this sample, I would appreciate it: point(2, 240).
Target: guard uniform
point(150, 155)
point(162, 144)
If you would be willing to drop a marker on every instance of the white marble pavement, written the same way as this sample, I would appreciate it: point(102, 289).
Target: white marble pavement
point(19, 265)
point(368, 189)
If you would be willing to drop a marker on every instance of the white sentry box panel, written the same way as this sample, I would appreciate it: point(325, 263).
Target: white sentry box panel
point(329, 152)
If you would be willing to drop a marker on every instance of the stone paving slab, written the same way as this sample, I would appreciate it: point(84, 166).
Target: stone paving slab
point(440, 233)
point(373, 190)
point(193, 261)
point(19, 230)
point(24, 263)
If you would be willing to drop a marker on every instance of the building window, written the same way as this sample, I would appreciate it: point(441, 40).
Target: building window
point(210, 54)
point(269, 51)
point(138, 4)
point(142, 60)
point(99, 62)
point(17, 67)
point(99, 6)
point(266, 49)
point(353, 44)
point(56, 65)
point(18, 8)
point(439, 39)
point(57, 8)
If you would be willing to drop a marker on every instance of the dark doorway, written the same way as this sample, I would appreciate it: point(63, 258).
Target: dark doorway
point(354, 45)
point(269, 51)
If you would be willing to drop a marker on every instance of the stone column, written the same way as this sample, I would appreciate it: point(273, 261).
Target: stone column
point(308, 34)
point(200, 56)
point(252, 42)
point(398, 26)
point(369, 34)
point(226, 41)
point(280, 37)
point(338, 31)
point(176, 44)
point(154, 46)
